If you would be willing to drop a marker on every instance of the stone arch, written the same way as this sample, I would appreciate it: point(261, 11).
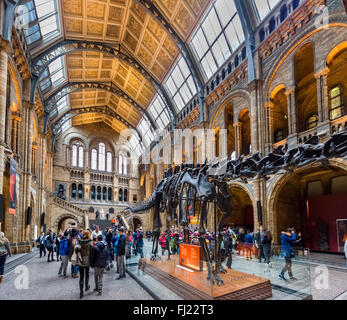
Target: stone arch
point(16, 83)
point(297, 42)
point(134, 218)
point(78, 220)
point(240, 93)
point(335, 51)
point(69, 137)
point(249, 192)
point(280, 180)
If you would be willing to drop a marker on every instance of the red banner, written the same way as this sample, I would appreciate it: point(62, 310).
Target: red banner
point(13, 173)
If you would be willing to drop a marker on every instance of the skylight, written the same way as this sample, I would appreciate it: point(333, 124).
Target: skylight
point(135, 144)
point(40, 21)
point(180, 84)
point(144, 128)
point(54, 76)
point(218, 36)
point(159, 112)
point(264, 7)
point(66, 125)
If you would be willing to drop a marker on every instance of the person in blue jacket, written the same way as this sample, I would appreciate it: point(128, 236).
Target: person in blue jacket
point(64, 251)
point(287, 242)
point(249, 239)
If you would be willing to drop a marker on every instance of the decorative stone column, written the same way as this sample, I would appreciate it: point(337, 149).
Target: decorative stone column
point(238, 138)
point(27, 174)
point(255, 93)
point(292, 117)
point(323, 94)
point(15, 121)
point(269, 126)
point(4, 53)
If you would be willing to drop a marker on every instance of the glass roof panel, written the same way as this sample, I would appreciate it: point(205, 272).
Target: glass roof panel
point(159, 112)
point(217, 37)
point(264, 7)
point(179, 82)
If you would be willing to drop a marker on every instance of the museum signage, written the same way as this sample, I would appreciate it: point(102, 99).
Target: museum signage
point(13, 173)
point(191, 256)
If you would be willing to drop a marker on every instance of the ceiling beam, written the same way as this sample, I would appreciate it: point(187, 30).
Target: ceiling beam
point(64, 47)
point(70, 87)
point(104, 110)
point(249, 36)
point(10, 7)
point(160, 18)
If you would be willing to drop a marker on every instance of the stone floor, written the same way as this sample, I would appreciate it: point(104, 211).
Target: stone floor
point(44, 284)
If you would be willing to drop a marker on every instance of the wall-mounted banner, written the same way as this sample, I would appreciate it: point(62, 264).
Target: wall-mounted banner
point(13, 198)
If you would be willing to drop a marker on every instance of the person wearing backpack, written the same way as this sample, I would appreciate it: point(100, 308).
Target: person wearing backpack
point(50, 245)
point(121, 252)
point(99, 263)
point(64, 251)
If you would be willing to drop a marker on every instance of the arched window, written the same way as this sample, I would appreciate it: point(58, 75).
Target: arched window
point(74, 156)
point(279, 135)
point(109, 162)
point(109, 198)
point(311, 122)
point(101, 156)
point(92, 193)
point(98, 193)
point(80, 191)
point(125, 165)
point(73, 191)
point(94, 159)
point(80, 156)
point(120, 165)
point(336, 103)
point(104, 193)
point(125, 195)
point(120, 195)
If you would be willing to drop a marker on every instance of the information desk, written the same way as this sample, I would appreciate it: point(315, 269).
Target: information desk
point(191, 256)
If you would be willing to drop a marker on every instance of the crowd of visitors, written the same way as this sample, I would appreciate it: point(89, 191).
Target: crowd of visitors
point(93, 248)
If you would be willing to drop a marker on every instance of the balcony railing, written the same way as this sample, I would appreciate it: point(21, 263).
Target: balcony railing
point(101, 177)
point(308, 134)
point(338, 125)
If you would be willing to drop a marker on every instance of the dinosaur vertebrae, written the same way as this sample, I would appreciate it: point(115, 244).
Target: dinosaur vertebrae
point(245, 168)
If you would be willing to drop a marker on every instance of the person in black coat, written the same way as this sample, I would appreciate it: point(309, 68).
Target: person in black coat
point(99, 263)
point(121, 252)
point(50, 245)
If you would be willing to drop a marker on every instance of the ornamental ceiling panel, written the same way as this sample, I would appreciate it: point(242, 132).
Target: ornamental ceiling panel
point(183, 15)
point(91, 98)
point(128, 24)
point(98, 20)
point(144, 38)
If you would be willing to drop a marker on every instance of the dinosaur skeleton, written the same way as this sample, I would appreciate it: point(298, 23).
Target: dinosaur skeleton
point(209, 183)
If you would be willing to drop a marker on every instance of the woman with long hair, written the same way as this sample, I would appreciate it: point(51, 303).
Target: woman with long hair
point(5, 251)
point(83, 249)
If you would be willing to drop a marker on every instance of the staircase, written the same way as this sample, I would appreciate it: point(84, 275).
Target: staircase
point(68, 206)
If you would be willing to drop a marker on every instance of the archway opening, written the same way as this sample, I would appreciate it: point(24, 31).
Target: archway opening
point(242, 209)
point(135, 223)
point(306, 89)
point(67, 222)
point(280, 116)
point(337, 85)
point(314, 202)
point(229, 116)
point(245, 122)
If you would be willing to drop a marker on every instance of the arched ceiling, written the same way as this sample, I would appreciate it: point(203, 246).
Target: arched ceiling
point(127, 24)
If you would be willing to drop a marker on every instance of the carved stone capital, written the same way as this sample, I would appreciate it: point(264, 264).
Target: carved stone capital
point(324, 72)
